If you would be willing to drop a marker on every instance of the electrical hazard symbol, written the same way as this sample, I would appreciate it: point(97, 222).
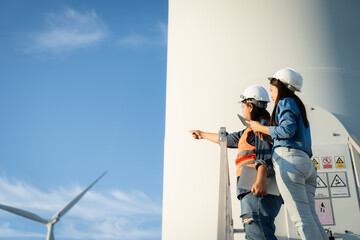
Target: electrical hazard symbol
point(320, 183)
point(327, 162)
point(316, 162)
point(324, 211)
point(337, 182)
point(339, 162)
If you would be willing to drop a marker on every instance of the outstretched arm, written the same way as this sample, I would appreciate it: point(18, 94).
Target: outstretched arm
point(197, 134)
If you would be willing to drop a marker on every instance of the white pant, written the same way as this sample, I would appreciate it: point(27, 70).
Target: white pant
point(296, 178)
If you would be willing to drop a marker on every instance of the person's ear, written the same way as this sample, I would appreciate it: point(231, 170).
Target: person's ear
point(251, 107)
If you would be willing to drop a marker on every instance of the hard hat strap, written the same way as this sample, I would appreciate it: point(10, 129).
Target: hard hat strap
point(260, 104)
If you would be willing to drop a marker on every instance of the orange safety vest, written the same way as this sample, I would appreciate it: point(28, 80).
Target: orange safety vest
point(246, 153)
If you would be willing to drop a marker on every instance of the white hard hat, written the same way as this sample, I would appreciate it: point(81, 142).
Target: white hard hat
point(292, 79)
point(255, 94)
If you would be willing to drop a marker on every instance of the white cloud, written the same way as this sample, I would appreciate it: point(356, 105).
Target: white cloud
point(162, 28)
point(7, 231)
point(119, 228)
point(133, 40)
point(155, 36)
point(68, 30)
point(99, 215)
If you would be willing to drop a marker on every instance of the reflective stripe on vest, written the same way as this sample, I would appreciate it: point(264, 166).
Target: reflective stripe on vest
point(246, 153)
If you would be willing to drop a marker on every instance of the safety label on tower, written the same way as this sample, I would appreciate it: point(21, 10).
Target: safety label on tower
point(327, 162)
point(339, 162)
point(322, 190)
point(316, 162)
point(324, 211)
point(338, 184)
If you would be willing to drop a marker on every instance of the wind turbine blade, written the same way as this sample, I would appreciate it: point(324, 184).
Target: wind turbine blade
point(23, 213)
point(75, 200)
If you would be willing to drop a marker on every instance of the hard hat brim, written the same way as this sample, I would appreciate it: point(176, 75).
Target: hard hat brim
point(286, 84)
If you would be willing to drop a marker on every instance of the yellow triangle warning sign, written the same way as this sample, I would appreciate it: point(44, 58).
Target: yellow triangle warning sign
point(339, 160)
point(316, 162)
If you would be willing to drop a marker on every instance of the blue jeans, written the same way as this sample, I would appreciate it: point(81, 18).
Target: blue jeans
point(296, 179)
point(258, 215)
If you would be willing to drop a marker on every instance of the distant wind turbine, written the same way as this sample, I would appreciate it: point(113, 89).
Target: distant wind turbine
point(50, 223)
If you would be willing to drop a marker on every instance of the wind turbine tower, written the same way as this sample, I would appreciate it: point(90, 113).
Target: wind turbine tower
point(216, 49)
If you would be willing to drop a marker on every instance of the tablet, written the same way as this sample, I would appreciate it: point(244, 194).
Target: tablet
point(248, 178)
point(243, 120)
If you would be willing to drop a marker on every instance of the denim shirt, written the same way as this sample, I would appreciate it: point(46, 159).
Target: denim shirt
point(291, 131)
point(263, 151)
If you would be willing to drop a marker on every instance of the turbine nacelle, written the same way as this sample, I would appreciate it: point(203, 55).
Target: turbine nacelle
point(54, 220)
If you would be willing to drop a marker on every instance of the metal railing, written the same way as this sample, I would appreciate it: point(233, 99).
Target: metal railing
point(225, 221)
point(355, 151)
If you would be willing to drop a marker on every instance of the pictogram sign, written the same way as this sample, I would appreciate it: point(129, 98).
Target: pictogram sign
point(338, 184)
point(339, 162)
point(316, 162)
point(327, 162)
point(324, 211)
point(322, 189)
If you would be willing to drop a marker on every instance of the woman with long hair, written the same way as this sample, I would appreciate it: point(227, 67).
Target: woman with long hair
point(294, 171)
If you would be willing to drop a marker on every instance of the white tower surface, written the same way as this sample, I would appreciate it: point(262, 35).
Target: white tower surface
point(216, 49)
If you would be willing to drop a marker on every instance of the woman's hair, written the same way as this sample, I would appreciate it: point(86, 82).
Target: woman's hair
point(258, 113)
point(284, 92)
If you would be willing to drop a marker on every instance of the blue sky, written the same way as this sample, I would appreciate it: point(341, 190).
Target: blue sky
point(82, 91)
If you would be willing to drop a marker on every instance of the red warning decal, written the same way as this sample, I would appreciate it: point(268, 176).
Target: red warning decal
point(327, 162)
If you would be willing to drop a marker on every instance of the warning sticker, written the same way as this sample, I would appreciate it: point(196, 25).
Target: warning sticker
point(338, 184)
point(327, 162)
point(320, 183)
point(339, 162)
point(316, 162)
point(322, 189)
point(324, 211)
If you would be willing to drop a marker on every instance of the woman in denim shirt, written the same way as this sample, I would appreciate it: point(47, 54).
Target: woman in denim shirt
point(258, 208)
point(295, 172)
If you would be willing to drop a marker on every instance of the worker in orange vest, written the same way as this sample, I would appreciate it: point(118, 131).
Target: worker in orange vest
point(258, 208)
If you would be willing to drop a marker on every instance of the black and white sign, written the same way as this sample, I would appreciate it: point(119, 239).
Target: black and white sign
point(338, 184)
point(322, 187)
